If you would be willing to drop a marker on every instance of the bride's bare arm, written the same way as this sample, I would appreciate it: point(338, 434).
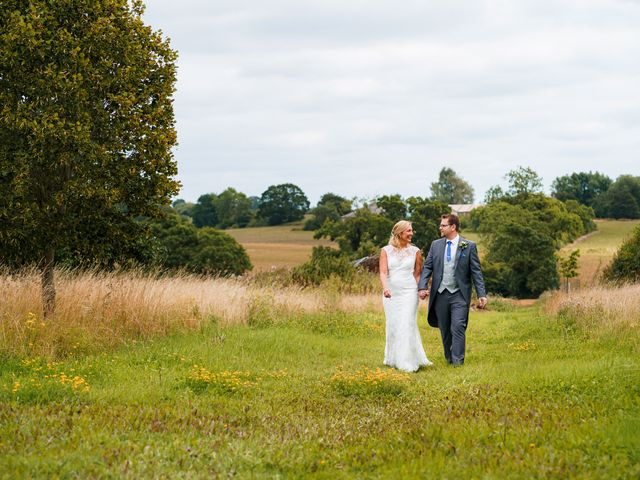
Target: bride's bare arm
point(384, 273)
point(417, 269)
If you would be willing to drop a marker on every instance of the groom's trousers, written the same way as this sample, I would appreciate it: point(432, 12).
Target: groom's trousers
point(452, 312)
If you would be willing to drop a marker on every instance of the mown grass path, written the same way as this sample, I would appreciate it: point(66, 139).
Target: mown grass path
point(597, 248)
point(303, 398)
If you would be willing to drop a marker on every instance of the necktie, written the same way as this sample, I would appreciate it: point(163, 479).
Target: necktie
point(448, 250)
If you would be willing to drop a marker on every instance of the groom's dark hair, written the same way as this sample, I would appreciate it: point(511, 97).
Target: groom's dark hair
point(452, 220)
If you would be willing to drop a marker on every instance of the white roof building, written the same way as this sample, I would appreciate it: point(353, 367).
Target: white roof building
point(463, 209)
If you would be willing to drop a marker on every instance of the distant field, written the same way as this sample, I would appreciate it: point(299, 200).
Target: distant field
point(285, 245)
point(597, 249)
point(282, 246)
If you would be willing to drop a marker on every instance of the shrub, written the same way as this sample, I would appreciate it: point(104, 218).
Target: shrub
point(585, 213)
point(625, 266)
point(495, 277)
point(324, 263)
point(328, 269)
point(198, 250)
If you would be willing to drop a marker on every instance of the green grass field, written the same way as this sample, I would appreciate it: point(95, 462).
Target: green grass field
point(306, 395)
point(302, 398)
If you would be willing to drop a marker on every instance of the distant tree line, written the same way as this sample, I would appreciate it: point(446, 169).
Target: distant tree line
point(608, 198)
point(522, 230)
point(278, 204)
point(287, 202)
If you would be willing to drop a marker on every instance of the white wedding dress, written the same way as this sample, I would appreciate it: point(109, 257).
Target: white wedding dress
point(403, 349)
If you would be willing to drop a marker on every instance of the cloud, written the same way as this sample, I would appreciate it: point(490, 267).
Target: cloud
point(367, 98)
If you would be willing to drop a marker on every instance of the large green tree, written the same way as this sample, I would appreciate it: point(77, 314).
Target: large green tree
point(360, 235)
point(425, 217)
point(233, 209)
point(523, 181)
point(522, 235)
point(365, 232)
point(341, 204)
point(183, 207)
point(523, 254)
point(451, 188)
point(621, 200)
point(564, 223)
point(86, 129)
point(204, 212)
point(282, 203)
point(583, 187)
point(330, 207)
point(393, 207)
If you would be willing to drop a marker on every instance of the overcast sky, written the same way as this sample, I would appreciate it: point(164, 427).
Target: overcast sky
point(365, 98)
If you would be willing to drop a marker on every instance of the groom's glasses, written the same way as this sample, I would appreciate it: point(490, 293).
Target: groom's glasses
point(445, 225)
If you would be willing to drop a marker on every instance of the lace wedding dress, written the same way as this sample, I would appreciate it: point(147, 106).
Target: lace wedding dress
point(403, 349)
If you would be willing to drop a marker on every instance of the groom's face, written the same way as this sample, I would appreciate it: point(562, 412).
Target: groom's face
point(447, 230)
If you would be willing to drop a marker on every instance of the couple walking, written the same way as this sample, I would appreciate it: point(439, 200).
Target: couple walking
point(452, 264)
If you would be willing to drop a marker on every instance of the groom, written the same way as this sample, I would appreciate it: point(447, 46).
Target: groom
point(453, 264)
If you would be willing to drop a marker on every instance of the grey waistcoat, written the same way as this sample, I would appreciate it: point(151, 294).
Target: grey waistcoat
point(448, 277)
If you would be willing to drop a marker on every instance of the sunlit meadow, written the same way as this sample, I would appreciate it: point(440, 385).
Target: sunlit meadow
point(186, 377)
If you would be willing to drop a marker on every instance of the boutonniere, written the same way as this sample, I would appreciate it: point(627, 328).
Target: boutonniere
point(463, 244)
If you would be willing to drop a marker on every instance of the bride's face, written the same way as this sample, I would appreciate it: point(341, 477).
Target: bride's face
point(407, 235)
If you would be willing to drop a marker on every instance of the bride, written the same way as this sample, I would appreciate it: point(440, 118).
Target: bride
point(400, 266)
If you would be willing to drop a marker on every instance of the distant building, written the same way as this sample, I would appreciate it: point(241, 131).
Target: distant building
point(372, 207)
point(462, 210)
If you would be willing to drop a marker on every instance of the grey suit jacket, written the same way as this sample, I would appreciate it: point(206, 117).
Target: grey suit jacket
point(467, 270)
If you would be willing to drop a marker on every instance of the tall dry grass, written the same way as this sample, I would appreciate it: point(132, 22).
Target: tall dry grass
point(97, 310)
point(612, 309)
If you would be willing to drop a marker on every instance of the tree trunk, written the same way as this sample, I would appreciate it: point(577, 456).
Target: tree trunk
point(48, 287)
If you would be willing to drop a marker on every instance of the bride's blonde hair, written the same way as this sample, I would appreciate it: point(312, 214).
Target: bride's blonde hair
point(396, 231)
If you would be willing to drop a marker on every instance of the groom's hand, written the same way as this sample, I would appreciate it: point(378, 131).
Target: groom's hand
point(482, 302)
point(423, 294)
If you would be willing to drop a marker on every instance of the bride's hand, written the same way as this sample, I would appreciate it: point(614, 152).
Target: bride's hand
point(387, 293)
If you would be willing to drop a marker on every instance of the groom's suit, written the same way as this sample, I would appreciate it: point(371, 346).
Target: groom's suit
point(449, 307)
